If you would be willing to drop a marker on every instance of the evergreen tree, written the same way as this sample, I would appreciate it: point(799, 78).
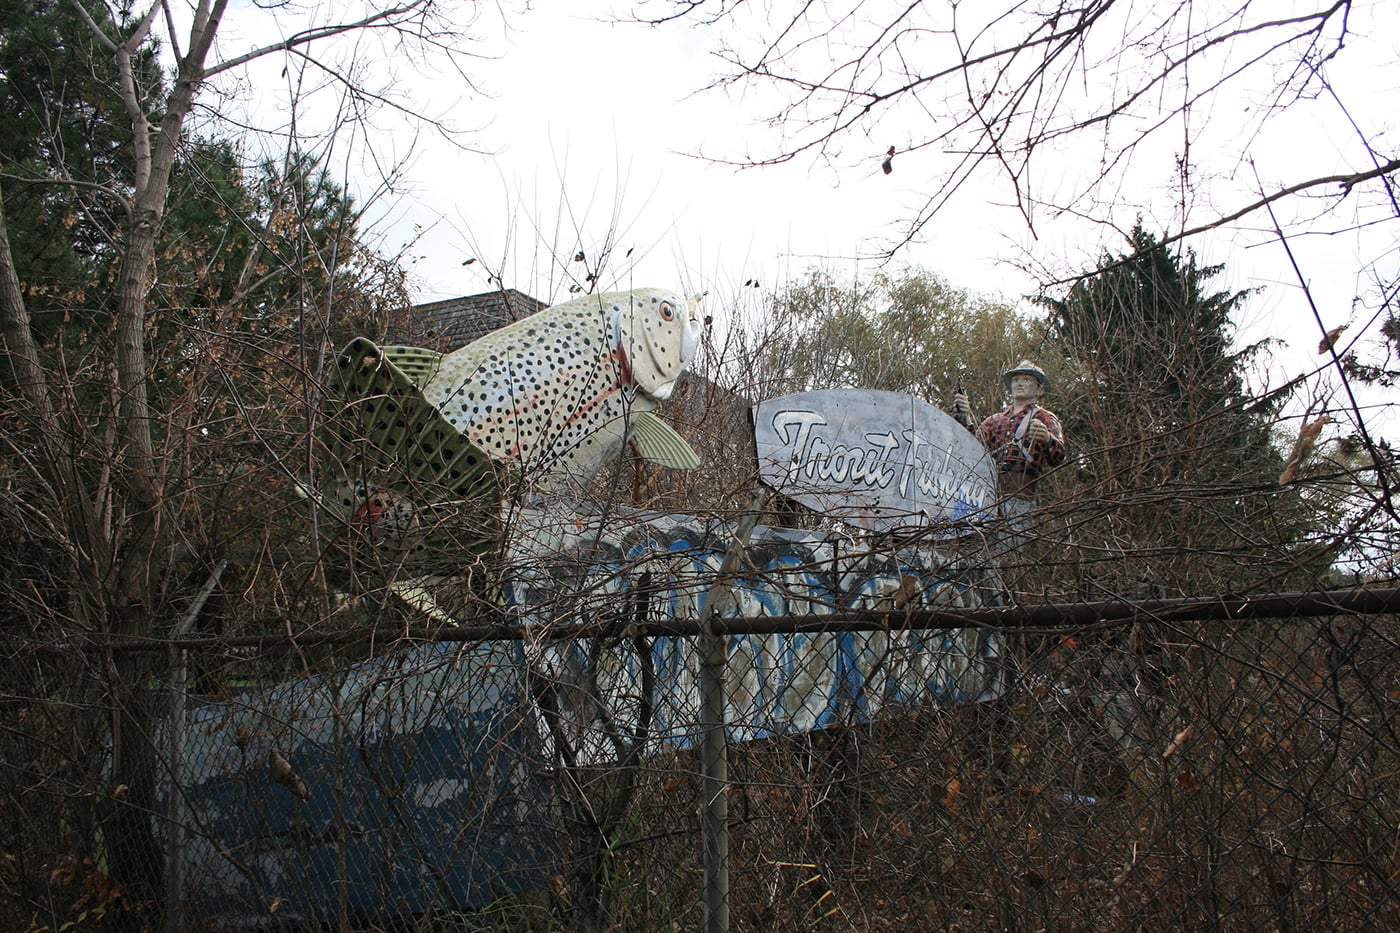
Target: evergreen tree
point(65, 147)
point(164, 311)
point(1179, 473)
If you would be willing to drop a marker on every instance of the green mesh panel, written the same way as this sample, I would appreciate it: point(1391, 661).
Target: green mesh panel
point(381, 432)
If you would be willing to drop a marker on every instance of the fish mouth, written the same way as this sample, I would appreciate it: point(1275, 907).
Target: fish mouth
point(663, 391)
point(690, 341)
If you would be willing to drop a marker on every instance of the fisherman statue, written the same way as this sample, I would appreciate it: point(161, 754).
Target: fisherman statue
point(1024, 439)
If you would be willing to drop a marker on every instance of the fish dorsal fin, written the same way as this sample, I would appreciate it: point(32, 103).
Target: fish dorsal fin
point(659, 443)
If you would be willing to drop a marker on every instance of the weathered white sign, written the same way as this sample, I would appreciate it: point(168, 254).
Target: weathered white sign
point(880, 460)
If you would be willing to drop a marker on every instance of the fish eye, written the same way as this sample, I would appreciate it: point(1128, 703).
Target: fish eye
point(668, 311)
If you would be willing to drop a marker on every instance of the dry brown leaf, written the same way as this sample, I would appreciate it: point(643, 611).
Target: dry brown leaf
point(1330, 339)
point(1303, 448)
point(1178, 742)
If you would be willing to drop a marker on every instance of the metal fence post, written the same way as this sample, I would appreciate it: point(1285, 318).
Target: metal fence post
point(174, 883)
point(714, 766)
point(179, 685)
point(714, 754)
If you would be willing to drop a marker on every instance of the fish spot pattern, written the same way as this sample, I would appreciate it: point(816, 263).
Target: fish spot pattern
point(553, 390)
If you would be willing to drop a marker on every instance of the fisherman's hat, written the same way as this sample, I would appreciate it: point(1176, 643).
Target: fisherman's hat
point(1026, 368)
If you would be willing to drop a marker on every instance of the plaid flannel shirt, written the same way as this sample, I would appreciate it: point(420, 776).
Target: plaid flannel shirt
point(998, 434)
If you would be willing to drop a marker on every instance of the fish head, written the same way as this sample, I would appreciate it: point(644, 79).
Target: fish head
point(656, 333)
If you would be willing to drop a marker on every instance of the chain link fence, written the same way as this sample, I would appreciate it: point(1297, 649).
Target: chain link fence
point(921, 733)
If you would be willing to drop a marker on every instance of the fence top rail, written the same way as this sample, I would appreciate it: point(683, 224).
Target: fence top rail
point(1049, 617)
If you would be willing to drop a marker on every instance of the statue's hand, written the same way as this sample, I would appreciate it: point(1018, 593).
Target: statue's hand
point(1039, 432)
point(962, 408)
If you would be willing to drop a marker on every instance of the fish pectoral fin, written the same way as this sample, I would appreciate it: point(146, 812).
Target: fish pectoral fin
point(417, 594)
point(328, 504)
point(659, 443)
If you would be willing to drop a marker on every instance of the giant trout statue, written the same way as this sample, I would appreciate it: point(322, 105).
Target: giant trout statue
point(559, 391)
point(548, 399)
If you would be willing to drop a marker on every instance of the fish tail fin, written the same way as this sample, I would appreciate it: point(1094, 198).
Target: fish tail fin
point(418, 364)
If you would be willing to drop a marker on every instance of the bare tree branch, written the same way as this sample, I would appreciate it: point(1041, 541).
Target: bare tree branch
point(1009, 88)
point(379, 19)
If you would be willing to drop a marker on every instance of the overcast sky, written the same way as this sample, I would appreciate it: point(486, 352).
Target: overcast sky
point(592, 129)
point(594, 125)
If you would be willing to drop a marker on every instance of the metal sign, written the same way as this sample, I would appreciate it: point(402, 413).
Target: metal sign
point(568, 572)
point(880, 460)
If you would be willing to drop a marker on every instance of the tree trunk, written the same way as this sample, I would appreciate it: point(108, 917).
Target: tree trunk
point(136, 860)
